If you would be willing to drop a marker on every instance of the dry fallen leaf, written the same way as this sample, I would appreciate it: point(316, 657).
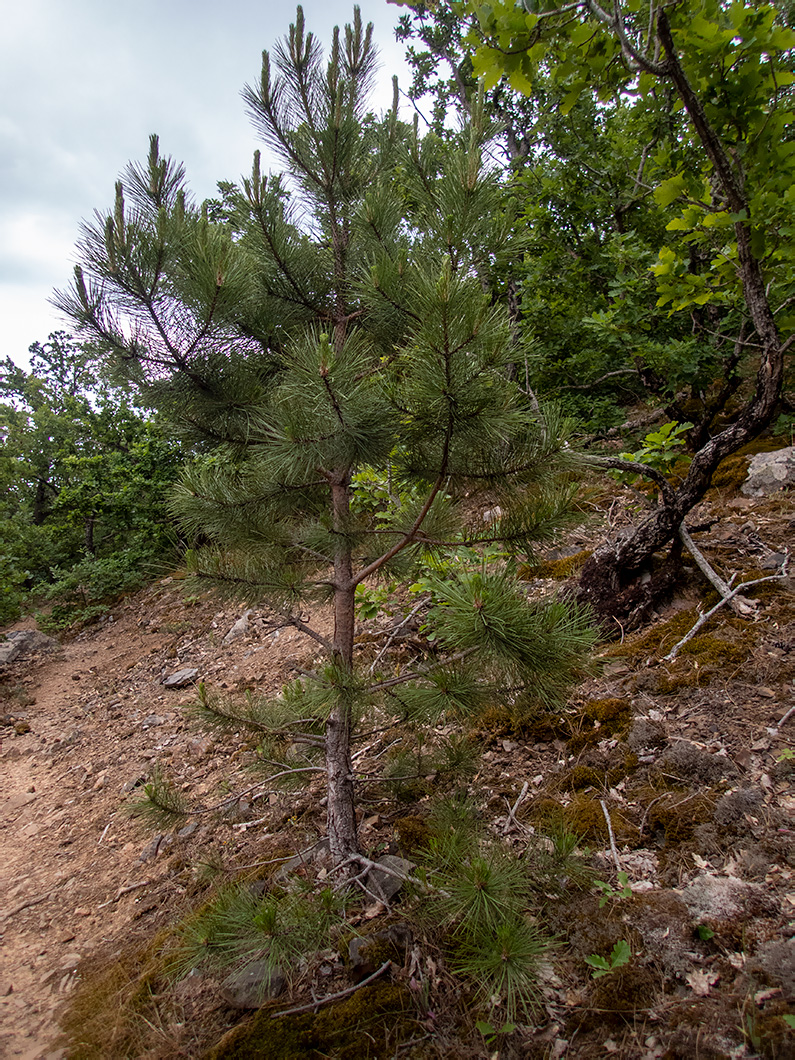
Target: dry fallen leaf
point(700, 982)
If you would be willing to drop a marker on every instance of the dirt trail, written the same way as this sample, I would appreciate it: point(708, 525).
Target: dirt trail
point(51, 855)
point(99, 716)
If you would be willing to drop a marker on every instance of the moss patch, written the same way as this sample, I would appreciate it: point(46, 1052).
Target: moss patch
point(597, 720)
point(369, 1024)
point(560, 569)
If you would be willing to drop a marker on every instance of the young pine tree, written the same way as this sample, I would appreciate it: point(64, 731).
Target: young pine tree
point(341, 322)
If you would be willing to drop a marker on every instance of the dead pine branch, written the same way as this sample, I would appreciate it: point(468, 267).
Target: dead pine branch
point(708, 615)
point(124, 890)
point(314, 1005)
point(613, 847)
point(738, 604)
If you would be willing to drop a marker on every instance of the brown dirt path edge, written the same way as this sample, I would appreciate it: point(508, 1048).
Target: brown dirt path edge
point(50, 858)
point(99, 716)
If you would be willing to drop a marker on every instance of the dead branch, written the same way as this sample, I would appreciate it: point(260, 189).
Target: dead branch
point(737, 603)
point(331, 997)
point(613, 846)
point(706, 617)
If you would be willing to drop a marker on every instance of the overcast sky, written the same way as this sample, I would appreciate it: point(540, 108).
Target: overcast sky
point(82, 85)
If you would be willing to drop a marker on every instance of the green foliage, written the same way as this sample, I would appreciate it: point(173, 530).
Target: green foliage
point(239, 925)
point(619, 956)
point(611, 893)
point(483, 900)
point(660, 450)
point(161, 803)
point(660, 447)
point(617, 188)
point(336, 356)
point(85, 473)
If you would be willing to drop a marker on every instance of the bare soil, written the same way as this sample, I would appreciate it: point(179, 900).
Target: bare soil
point(690, 770)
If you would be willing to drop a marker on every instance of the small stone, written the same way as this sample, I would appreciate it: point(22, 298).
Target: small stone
point(256, 983)
point(181, 678)
point(188, 830)
point(6, 989)
point(151, 850)
point(21, 727)
point(82, 911)
point(152, 720)
point(387, 885)
point(99, 783)
point(239, 629)
point(70, 960)
point(200, 747)
point(132, 783)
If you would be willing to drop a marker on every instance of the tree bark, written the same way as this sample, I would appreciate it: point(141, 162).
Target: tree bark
point(342, 831)
point(610, 581)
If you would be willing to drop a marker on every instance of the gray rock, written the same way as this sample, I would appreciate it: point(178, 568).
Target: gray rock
point(181, 678)
point(8, 652)
point(21, 641)
point(770, 472)
point(385, 884)
point(318, 853)
point(256, 983)
point(152, 719)
point(158, 845)
point(188, 830)
point(239, 629)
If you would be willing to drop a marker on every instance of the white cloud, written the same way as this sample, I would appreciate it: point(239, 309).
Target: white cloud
point(84, 83)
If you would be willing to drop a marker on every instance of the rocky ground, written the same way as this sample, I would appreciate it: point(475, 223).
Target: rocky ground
point(687, 758)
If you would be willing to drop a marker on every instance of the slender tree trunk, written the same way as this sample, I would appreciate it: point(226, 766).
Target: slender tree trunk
point(89, 535)
point(339, 768)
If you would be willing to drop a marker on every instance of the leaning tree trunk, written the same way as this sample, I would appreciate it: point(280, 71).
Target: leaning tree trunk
point(615, 581)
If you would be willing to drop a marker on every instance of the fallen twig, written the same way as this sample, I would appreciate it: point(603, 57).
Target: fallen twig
point(26, 905)
point(125, 890)
point(708, 615)
point(737, 603)
point(105, 829)
point(331, 997)
point(786, 717)
point(613, 846)
point(512, 810)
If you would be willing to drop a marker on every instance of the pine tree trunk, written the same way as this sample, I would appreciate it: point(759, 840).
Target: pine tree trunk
point(339, 768)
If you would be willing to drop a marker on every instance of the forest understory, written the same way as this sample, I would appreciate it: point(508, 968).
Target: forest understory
point(688, 910)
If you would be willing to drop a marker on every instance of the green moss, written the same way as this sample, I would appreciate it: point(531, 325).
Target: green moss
point(770, 1036)
point(413, 834)
point(115, 1004)
point(658, 640)
point(714, 651)
point(560, 569)
point(535, 726)
point(597, 720)
point(584, 816)
point(678, 821)
point(369, 1024)
point(625, 991)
